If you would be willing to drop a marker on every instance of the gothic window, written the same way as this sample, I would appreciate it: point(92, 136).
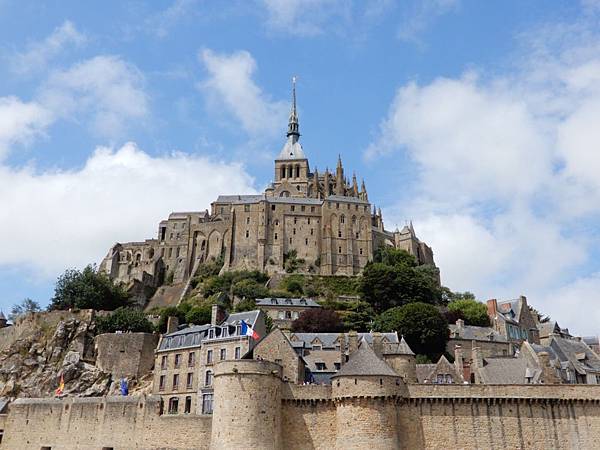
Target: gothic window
point(188, 405)
point(342, 219)
point(173, 405)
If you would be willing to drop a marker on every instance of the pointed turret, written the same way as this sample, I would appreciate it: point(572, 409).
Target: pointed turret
point(326, 183)
point(292, 148)
point(339, 178)
point(293, 125)
point(315, 187)
point(363, 191)
point(354, 186)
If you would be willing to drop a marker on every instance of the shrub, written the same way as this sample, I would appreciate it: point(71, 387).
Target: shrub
point(124, 319)
point(318, 321)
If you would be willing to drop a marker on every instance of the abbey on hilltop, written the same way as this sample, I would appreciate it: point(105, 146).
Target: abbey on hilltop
point(324, 222)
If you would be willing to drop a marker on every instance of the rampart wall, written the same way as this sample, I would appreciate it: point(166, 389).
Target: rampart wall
point(253, 405)
point(123, 423)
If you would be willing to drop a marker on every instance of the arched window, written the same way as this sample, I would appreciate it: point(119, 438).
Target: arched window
point(208, 378)
point(173, 405)
point(282, 172)
point(289, 171)
point(297, 171)
point(342, 219)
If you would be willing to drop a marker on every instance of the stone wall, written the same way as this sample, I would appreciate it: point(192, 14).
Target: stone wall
point(122, 423)
point(127, 354)
point(255, 409)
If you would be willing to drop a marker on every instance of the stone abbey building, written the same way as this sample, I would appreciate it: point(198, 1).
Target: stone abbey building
point(323, 219)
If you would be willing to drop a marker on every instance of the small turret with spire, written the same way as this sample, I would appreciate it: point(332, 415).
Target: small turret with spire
point(363, 191)
point(293, 125)
point(354, 185)
point(339, 178)
point(315, 187)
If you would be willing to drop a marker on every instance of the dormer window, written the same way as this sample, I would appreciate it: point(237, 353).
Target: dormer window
point(211, 333)
point(273, 301)
point(224, 332)
point(288, 301)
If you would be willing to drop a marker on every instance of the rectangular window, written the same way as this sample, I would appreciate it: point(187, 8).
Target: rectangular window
point(275, 236)
point(177, 360)
point(247, 233)
point(207, 403)
point(305, 241)
point(238, 352)
point(337, 365)
point(247, 220)
point(208, 378)
point(293, 208)
point(246, 208)
point(223, 354)
point(188, 405)
point(163, 362)
point(290, 240)
point(190, 380)
point(161, 383)
point(295, 220)
point(175, 381)
point(303, 208)
point(340, 234)
point(294, 231)
point(191, 359)
point(209, 356)
point(272, 207)
point(320, 366)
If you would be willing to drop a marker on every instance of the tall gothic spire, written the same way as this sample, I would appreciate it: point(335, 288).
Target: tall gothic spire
point(293, 126)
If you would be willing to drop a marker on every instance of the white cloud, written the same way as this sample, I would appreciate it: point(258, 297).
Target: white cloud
point(38, 54)
point(105, 91)
point(20, 122)
point(303, 17)
point(424, 13)
point(162, 22)
point(69, 218)
point(506, 169)
point(231, 87)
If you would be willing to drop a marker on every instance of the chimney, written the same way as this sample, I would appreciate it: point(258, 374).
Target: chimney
point(342, 340)
point(172, 324)
point(377, 343)
point(492, 307)
point(460, 325)
point(217, 314)
point(548, 372)
point(352, 342)
point(458, 359)
point(477, 362)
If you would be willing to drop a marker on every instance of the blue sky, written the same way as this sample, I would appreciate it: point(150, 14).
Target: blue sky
point(477, 120)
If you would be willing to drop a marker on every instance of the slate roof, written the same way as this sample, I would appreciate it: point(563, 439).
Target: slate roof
point(578, 353)
point(251, 198)
point(473, 333)
point(196, 334)
point(591, 340)
point(2, 316)
point(328, 339)
point(507, 370)
point(400, 348)
point(364, 361)
point(279, 301)
point(423, 371)
point(292, 149)
point(341, 198)
point(295, 200)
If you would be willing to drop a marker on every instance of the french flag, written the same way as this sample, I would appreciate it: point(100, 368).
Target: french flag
point(248, 331)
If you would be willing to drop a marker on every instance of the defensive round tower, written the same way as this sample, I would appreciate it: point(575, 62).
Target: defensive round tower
point(402, 359)
point(247, 405)
point(366, 391)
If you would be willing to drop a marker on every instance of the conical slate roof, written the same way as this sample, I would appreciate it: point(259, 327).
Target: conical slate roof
point(403, 348)
point(364, 361)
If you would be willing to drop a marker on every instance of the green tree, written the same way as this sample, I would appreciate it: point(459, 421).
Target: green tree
point(245, 305)
point(250, 289)
point(198, 314)
point(422, 325)
point(358, 317)
point(87, 288)
point(318, 320)
point(471, 311)
point(170, 311)
point(391, 256)
point(27, 305)
point(124, 319)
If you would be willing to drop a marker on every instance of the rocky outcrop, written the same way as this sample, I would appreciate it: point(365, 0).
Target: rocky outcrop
point(48, 346)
